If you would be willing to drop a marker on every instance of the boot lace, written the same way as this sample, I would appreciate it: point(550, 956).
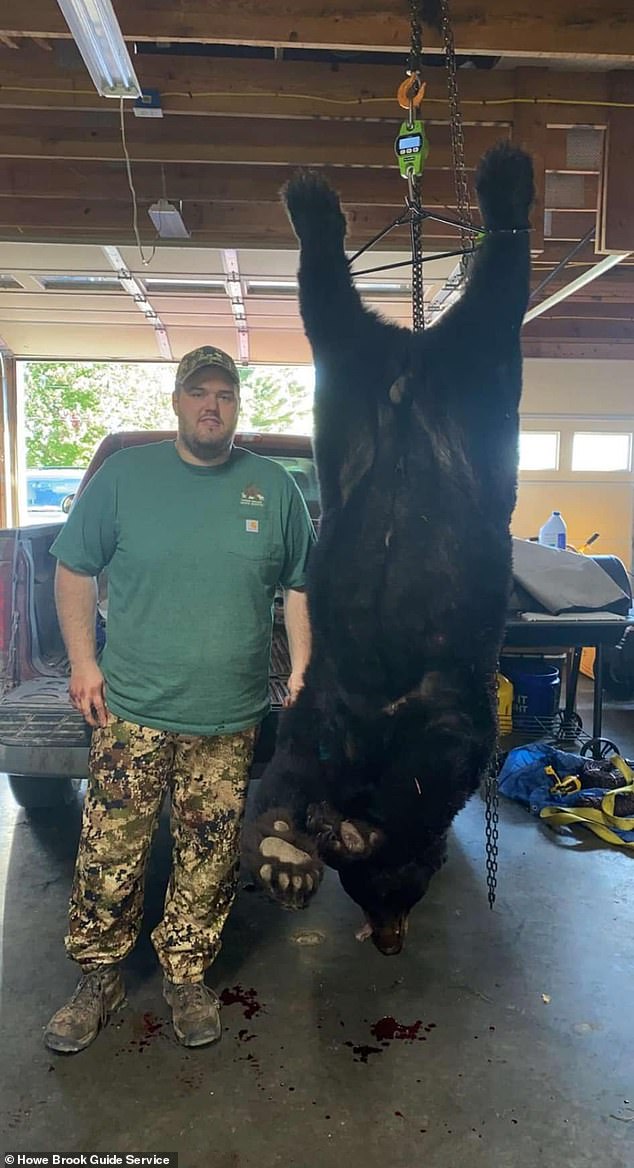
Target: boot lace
point(90, 990)
point(195, 994)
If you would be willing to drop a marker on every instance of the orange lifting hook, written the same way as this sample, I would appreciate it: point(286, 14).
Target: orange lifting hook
point(405, 98)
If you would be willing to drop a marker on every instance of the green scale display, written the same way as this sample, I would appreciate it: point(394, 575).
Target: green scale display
point(411, 148)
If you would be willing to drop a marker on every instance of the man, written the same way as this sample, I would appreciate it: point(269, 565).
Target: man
point(196, 535)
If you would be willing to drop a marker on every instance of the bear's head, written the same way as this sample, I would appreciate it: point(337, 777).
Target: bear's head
point(387, 894)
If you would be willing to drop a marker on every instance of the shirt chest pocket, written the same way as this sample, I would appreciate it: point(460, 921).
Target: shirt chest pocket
point(252, 538)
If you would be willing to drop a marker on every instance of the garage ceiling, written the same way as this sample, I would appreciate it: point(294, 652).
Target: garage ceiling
point(250, 91)
point(64, 300)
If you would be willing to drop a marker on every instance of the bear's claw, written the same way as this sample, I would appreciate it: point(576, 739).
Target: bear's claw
point(339, 839)
point(284, 861)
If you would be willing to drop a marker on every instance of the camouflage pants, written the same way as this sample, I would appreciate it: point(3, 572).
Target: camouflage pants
point(131, 768)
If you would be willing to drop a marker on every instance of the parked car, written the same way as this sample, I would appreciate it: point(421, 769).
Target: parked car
point(43, 739)
point(51, 491)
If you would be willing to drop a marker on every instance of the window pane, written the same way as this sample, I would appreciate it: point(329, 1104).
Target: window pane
point(539, 450)
point(305, 475)
point(601, 451)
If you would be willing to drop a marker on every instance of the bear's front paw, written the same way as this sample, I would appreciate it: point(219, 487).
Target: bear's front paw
point(283, 860)
point(313, 207)
point(340, 839)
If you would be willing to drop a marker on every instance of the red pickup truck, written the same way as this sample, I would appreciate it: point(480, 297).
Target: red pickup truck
point(43, 740)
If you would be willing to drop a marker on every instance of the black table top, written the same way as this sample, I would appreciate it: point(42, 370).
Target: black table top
point(569, 634)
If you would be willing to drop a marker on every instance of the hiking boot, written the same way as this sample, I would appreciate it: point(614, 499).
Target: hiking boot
point(98, 994)
point(195, 1012)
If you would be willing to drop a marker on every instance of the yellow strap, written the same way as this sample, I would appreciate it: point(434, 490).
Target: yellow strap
point(622, 766)
point(552, 815)
point(599, 821)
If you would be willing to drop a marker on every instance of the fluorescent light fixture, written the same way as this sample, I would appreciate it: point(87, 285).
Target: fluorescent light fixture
point(99, 39)
point(167, 220)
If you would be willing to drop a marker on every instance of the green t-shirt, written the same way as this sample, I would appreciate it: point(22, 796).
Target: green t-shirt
point(194, 555)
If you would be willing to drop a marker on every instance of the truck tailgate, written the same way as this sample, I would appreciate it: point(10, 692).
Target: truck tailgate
point(38, 713)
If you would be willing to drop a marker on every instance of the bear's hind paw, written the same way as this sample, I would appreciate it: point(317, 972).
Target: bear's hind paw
point(339, 839)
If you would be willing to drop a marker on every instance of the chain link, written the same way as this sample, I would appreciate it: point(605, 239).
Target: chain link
point(416, 234)
point(416, 50)
point(414, 66)
point(461, 187)
point(492, 828)
point(11, 674)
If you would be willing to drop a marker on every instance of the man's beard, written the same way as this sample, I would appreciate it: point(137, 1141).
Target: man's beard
point(212, 448)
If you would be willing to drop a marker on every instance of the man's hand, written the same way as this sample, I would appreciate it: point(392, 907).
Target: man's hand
point(298, 631)
point(295, 685)
point(88, 693)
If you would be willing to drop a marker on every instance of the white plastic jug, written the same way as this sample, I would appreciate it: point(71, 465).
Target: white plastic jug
point(553, 533)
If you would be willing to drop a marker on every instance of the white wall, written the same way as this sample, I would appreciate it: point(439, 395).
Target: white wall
point(569, 396)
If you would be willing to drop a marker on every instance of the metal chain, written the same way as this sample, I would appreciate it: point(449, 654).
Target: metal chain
point(416, 50)
point(414, 66)
point(463, 203)
point(492, 829)
point(11, 676)
point(416, 233)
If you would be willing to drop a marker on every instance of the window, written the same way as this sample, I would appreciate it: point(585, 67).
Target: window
point(539, 450)
point(188, 284)
point(305, 475)
point(601, 452)
point(79, 283)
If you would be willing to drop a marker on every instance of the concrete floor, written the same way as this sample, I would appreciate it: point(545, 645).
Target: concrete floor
point(491, 1074)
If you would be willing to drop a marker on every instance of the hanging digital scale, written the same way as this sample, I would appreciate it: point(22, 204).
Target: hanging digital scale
point(411, 148)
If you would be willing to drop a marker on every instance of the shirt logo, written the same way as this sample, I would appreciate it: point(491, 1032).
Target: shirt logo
point(252, 496)
point(252, 525)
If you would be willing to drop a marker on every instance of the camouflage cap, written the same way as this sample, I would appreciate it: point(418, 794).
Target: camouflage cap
point(206, 355)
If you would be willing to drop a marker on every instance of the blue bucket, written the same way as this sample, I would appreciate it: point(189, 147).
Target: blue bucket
point(536, 692)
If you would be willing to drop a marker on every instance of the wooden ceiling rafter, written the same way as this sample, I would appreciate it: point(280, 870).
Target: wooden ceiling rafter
point(46, 179)
point(215, 86)
point(567, 27)
point(233, 129)
point(360, 142)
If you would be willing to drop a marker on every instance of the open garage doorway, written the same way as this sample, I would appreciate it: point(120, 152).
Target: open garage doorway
point(68, 407)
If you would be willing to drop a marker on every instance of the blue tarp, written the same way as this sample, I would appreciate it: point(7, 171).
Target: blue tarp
point(524, 778)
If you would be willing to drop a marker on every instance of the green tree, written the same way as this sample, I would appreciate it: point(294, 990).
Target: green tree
point(275, 400)
point(69, 406)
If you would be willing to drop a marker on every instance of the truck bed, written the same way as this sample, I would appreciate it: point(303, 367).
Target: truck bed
point(38, 713)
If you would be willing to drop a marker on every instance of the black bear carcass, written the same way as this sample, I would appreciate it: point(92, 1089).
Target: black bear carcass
point(416, 448)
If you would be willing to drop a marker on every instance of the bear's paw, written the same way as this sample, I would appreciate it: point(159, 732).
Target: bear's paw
point(283, 860)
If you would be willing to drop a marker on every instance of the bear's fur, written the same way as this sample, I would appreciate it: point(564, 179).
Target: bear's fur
point(416, 450)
